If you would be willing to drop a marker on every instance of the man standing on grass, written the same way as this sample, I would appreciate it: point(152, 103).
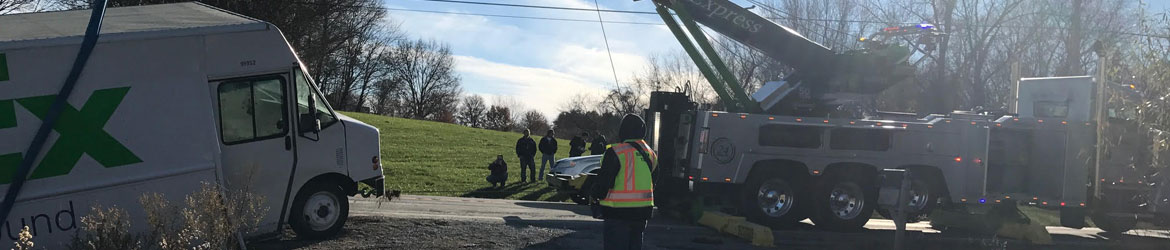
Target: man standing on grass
point(627, 185)
point(526, 151)
point(577, 145)
point(548, 150)
point(598, 146)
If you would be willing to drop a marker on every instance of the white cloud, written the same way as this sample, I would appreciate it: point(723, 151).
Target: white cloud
point(541, 63)
point(536, 88)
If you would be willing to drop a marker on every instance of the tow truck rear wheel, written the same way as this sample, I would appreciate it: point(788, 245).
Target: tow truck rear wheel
point(1113, 224)
point(843, 202)
point(773, 200)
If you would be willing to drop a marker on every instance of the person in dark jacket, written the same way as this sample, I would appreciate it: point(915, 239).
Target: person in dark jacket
point(577, 145)
point(526, 151)
point(499, 172)
point(548, 151)
point(598, 146)
point(628, 204)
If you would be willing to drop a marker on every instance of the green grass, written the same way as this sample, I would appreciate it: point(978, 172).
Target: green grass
point(434, 158)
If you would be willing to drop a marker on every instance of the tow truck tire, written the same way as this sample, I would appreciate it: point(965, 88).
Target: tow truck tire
point(843, 202)
point(923, 199)
point(319, 211)
point(771, 199)
point(1113, 224)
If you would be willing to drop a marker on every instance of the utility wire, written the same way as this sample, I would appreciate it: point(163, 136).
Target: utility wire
point(519, 17)
point(653, 13)
point(606, 38)
point(542, 6)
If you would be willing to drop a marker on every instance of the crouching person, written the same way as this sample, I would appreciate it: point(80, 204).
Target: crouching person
point(499, 172)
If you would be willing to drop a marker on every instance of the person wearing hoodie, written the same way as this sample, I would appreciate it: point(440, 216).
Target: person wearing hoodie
point(598, 146)
point(577, 144)
point(548, 151)
point(627, 183)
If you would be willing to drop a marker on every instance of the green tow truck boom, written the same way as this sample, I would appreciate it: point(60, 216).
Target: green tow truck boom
point(821, 79)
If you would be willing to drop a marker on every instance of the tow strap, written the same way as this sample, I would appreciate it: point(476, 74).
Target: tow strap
point(50, 119)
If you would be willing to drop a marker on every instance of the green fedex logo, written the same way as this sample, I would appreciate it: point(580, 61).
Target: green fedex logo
point(81, 132)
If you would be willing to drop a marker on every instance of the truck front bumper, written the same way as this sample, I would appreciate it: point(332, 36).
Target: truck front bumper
point(377, 187)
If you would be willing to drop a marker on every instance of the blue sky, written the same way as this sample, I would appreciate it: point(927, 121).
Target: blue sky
point(539, 63)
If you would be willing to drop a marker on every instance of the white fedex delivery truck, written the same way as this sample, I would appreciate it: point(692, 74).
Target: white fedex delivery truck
point(172, 95)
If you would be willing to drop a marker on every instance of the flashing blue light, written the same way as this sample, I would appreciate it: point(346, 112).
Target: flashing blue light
point(982, 200)
point(926, 26)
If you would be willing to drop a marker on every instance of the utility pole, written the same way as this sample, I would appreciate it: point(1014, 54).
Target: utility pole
point(1015, 88)
point(1102, 66)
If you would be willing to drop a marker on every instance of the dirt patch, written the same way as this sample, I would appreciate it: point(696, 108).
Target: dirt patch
point(370, 232)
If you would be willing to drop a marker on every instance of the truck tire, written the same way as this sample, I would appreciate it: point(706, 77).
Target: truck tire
point(580, 199)
point(923, 199)
point(1072, 217)
point(774, 200)
point(319, 211)
point(843, 202)
point(1113, 224)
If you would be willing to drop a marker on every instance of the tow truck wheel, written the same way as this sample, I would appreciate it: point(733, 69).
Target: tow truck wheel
point(843, 202)
point(772, 200)
point(922, 200)
point(319, 211)
point(1113, 224)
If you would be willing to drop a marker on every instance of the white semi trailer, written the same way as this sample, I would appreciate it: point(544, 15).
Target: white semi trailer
point(172, 95)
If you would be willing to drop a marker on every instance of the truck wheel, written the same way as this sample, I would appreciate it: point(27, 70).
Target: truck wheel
point(587, 190)
point(580, 199)
point(922, 200)
point(1072, 217)
point(772, 200)
point(1113, 224)
point(319, 211)
point(843, 202)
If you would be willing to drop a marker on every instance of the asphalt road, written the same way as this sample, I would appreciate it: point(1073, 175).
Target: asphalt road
point(666, 234)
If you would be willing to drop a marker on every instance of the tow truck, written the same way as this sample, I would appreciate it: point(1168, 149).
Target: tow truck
point(812, 145)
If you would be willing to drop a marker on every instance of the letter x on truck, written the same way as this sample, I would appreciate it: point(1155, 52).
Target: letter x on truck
point(172, 96)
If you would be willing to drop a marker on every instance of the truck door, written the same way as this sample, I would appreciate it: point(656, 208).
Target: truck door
point(257, 148)
point(321, 151)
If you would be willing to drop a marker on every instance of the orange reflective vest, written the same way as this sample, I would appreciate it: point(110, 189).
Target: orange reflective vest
point(633, 186)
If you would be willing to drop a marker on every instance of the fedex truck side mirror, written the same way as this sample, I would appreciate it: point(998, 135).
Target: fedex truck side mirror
point(310, 124)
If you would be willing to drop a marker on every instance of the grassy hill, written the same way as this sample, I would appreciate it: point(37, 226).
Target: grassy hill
point(434, 158)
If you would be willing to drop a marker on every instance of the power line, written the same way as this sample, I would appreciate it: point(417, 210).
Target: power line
point(644, 23)
point(518, 17)
point(606, 38)
point(542, 7)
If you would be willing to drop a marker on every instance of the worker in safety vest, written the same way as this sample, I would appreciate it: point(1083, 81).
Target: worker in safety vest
point(627, 184)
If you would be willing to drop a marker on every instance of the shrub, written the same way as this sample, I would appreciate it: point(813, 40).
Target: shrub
point(105, 228)
point(25, 241)
point(212, 219)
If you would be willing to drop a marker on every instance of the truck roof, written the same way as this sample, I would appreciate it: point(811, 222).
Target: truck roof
point(190, 16)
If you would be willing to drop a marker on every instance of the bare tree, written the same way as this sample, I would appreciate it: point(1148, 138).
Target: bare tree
point(622, 100)
point(426, 71)
point(580, 102)
point(499, 118)
point(535, 121)
point(471, 111)
point(9, 6)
